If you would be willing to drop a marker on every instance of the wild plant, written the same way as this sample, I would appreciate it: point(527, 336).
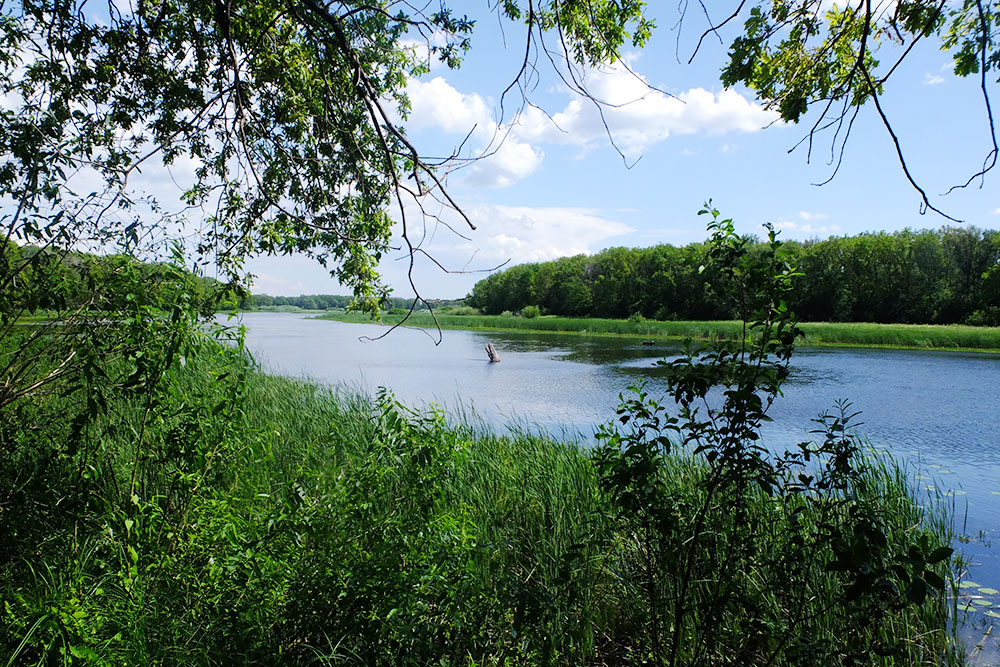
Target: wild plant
point(759, 556)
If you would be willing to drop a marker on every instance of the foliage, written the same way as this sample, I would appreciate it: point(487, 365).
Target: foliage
point(457, 310)
point(726, 568)
point(531, 312)
point(934, 277)
point(279, 523)
point(799, 53)
point(288, 115)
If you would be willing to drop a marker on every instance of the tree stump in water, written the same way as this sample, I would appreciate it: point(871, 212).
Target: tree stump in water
point(492, 352)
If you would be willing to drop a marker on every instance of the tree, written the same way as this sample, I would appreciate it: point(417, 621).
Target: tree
point(287, 107)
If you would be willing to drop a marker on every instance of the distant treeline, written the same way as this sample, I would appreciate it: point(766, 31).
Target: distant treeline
point(947, 276)
point(329, 302)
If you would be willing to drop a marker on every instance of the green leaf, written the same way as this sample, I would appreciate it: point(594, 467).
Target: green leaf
point(916, 592)
point(82, 652)
point(939, 555)
point(934, 579)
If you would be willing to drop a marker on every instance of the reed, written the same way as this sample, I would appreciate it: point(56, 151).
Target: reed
point(240, 518)
point(860, 334)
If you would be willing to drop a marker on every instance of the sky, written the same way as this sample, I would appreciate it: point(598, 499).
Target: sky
point(556, 185)
point(556, 182)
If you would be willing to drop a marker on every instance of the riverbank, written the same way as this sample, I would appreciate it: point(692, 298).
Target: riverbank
point(952, 337)
point(240, 518)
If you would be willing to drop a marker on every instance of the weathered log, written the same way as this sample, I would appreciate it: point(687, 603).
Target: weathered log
point(492, 352)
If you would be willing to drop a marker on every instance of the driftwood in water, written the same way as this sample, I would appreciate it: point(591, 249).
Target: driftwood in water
point(492, 352)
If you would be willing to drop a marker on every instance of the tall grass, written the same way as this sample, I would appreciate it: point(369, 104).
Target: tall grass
point(863, 334)
point(239, 518)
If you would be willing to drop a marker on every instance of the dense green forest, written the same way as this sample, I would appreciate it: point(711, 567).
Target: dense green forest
point(947, 276)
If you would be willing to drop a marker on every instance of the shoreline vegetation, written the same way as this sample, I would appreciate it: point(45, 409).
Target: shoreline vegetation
point(274, 521)
point(943, 337)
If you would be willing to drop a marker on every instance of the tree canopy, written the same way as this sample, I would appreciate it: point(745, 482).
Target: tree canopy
point(288, 110)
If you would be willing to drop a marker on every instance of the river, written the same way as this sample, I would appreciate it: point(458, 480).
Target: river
point(939, 412)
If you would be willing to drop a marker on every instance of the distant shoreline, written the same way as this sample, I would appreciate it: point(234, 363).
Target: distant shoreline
point(937, 337)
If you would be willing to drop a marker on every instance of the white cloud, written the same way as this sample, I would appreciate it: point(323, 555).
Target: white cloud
point(933, 79)
point(636, 115)
point(517, 233)
point(511, 161)
point(265, 283)
point(995, 211)
point(800, 229)
point(641, 117)
point(806, 215)
point(437, 104)
point(525, 234)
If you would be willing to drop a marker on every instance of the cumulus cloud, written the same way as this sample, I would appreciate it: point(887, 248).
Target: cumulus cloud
point(636, 115)
point(525, 234)
point(435, 103)
point(519, 234)
point(510, 161)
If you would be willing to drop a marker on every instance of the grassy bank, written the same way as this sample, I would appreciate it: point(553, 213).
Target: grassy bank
point(238, 518)
point(862, 334)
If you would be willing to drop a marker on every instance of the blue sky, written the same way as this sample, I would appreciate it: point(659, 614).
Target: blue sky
point(555, 186)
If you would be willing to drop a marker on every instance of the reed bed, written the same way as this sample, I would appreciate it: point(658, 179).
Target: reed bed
point(240, 518)
point(860, 334)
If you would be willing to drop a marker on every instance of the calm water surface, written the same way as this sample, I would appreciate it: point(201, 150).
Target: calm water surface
point(937, 411)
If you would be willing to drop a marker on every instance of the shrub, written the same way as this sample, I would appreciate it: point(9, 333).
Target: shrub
point(988, 317)
point(816, 555)
point(531, 312)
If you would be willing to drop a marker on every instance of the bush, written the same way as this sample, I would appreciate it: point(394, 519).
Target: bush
point(988, 317)
point(531, 312)
point(826, 559)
